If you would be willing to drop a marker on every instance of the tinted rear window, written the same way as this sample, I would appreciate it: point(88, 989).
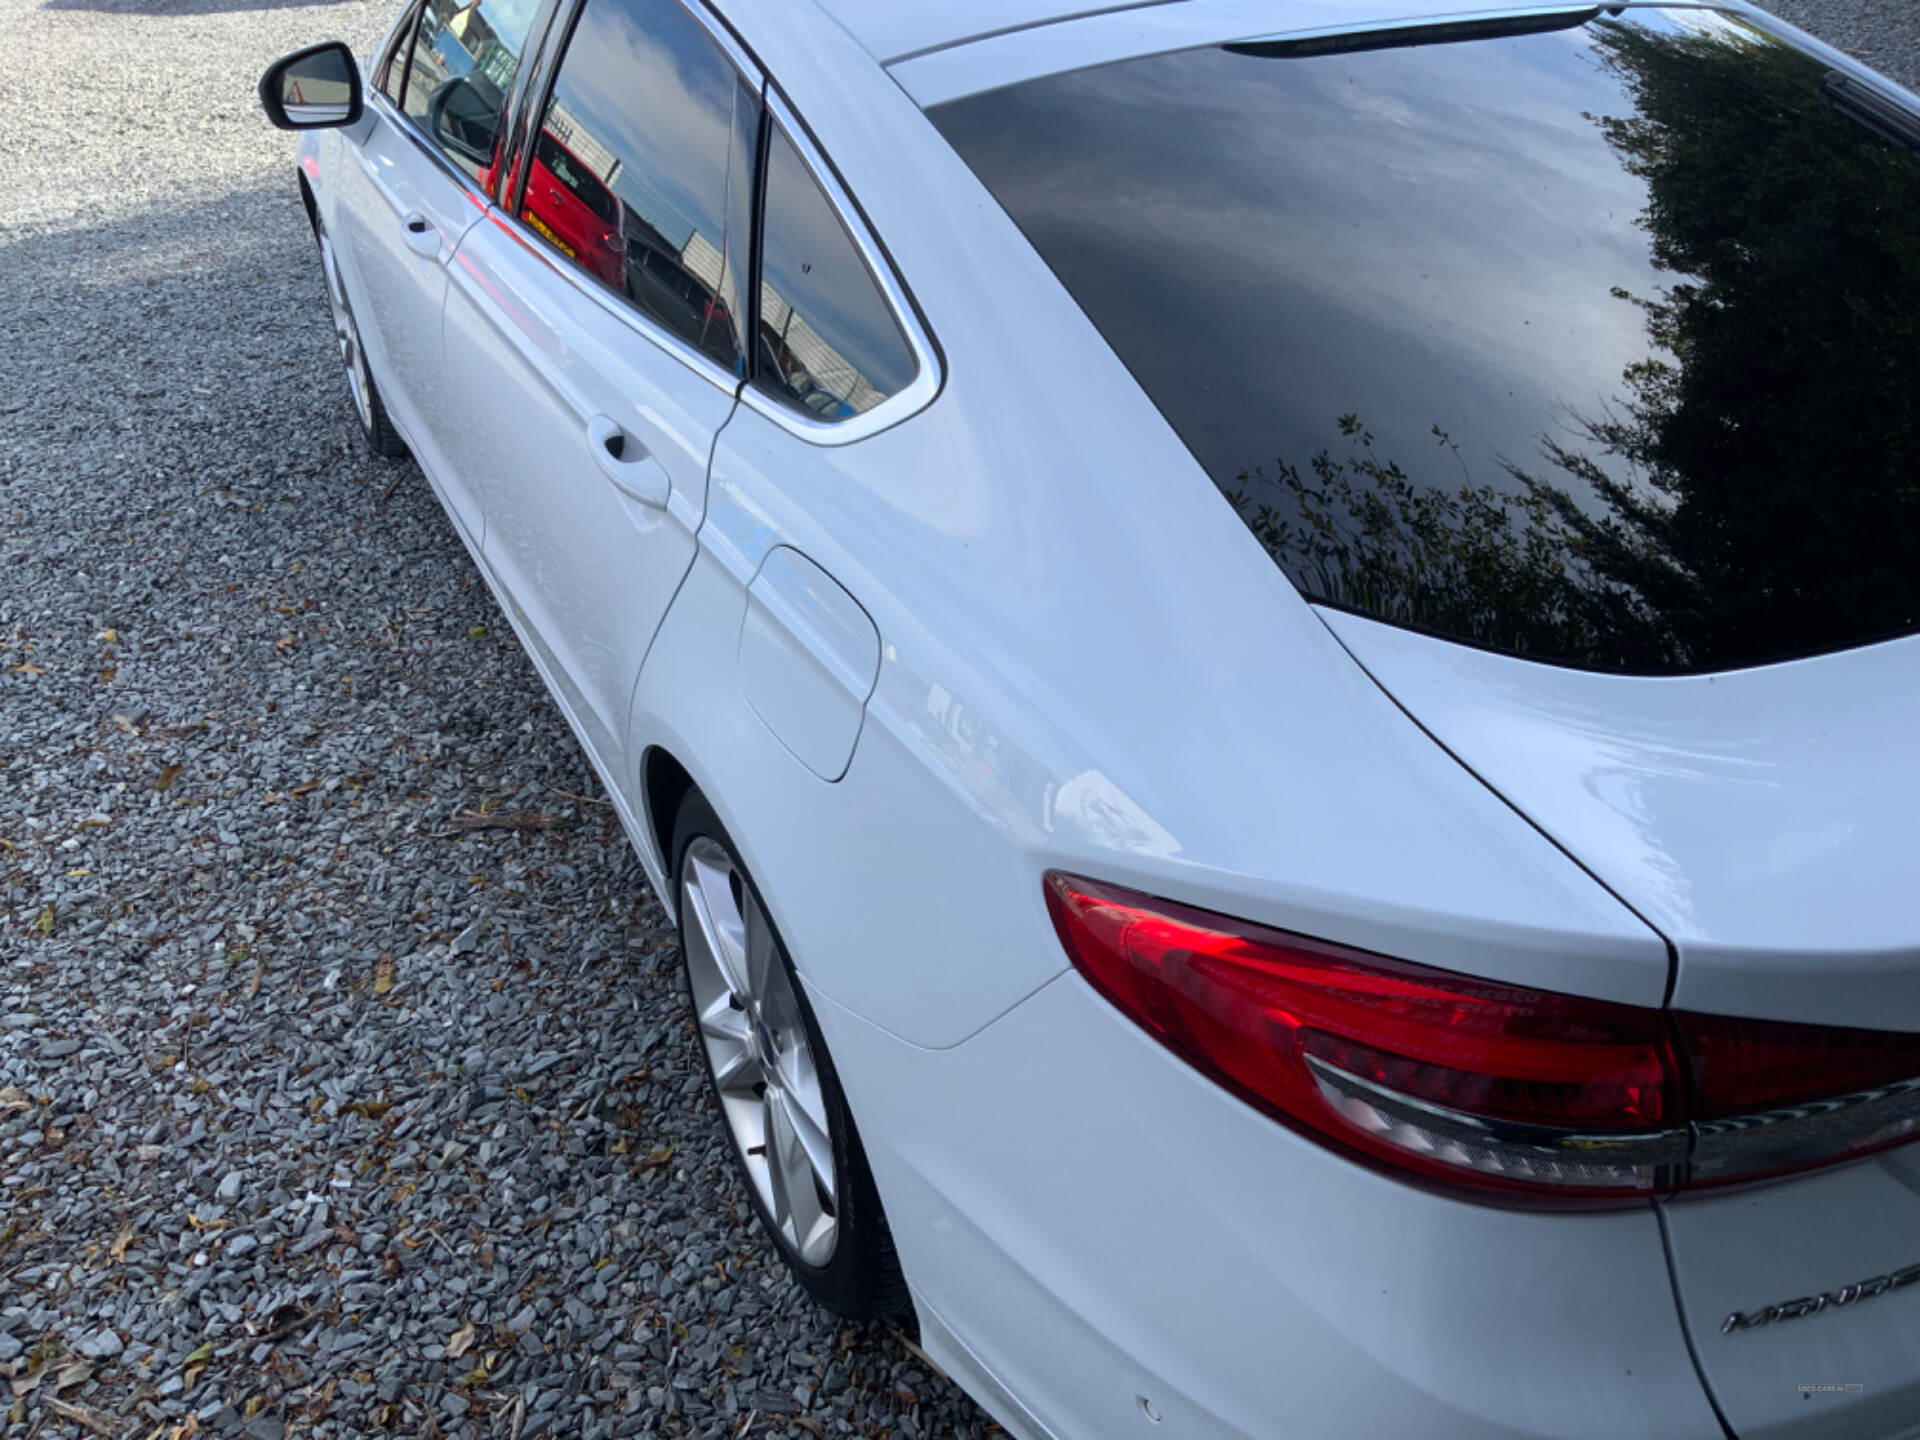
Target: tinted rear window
point(1598, 344)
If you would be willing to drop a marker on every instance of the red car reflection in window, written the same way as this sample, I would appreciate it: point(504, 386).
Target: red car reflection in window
point(573, 211)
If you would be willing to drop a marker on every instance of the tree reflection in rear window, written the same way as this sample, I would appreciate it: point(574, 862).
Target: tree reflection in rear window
point(1600, 345)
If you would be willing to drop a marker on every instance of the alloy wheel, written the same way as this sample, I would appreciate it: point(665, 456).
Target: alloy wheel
point(757, 1046)
point(346, 332)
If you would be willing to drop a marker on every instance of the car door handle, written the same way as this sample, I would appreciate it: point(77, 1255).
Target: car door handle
point(422, 238)
point(625, 462)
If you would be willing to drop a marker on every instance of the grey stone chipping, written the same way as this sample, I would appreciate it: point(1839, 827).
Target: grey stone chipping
point(1883, 33)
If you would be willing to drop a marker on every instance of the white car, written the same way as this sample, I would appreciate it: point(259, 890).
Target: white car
point(1266, 649)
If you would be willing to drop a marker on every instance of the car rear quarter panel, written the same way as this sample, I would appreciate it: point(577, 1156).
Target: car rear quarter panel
point(1100, 1223)
point(1087, 663)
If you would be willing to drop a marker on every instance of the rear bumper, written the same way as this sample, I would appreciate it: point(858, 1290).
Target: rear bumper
point(1092, 1229)
point(1847, 1372)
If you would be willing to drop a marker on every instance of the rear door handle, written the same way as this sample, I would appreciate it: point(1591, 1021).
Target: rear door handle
point(625, 462)
point(420, 235)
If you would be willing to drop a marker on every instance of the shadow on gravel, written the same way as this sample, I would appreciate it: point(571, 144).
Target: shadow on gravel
point(184, 7)
point(147, 305)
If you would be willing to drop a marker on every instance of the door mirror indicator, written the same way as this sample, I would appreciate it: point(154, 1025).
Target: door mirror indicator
point(313, 89)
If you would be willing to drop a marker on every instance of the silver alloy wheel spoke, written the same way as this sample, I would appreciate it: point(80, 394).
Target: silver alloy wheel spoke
point(779, 1200)
point(757, 1046)
point(345, 331)
point(721, 923)
point(798, 1210)
point(758, 961)
point(729, 1036)
point(810, 1132)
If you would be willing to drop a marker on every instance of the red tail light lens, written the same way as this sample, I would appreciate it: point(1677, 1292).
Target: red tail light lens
point(1512, 1093)
point(1770, 1098)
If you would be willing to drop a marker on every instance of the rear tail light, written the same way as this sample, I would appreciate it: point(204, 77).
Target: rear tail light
point(1509, 1093)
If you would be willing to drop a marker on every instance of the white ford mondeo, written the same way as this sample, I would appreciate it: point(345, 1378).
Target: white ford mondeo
point(1265, 647)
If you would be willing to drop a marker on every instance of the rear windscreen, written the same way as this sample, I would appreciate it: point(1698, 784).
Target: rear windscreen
point(1598, 343)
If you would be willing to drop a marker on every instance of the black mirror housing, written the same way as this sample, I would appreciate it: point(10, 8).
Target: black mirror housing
point(317, 88)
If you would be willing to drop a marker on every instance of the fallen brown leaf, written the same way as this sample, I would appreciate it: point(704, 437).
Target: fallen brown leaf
point(520, 820)
point(92, 1419)
point(167, 776)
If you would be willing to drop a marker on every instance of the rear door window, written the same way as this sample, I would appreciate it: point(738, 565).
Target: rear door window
point(828, 346)
point(642, 169)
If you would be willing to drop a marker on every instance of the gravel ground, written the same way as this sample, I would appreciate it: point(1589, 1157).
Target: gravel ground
point(344, 1074)
point(1884, 33)
point(324, 1108)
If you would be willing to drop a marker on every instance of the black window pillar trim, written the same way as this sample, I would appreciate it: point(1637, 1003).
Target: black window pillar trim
point(405, 38)
point(554, 40)
point(763, 134)
point(534, 63)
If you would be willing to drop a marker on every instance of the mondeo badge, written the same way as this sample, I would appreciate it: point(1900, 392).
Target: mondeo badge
point(1814, 1304)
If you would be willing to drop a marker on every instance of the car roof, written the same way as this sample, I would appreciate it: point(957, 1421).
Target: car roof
point(893, 30)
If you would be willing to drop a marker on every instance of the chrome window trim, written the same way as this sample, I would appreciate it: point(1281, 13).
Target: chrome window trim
point(748, 67)
point(928, 376)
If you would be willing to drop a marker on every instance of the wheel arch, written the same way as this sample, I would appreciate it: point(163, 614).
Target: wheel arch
point(306, 199)
point(886, 862)
point(664, 784)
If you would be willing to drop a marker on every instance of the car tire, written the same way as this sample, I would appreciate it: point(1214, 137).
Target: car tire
point(774, 1084)
point(368, 407)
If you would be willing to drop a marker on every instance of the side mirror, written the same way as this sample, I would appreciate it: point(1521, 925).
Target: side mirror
point(464, 115)
point(312, 89)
